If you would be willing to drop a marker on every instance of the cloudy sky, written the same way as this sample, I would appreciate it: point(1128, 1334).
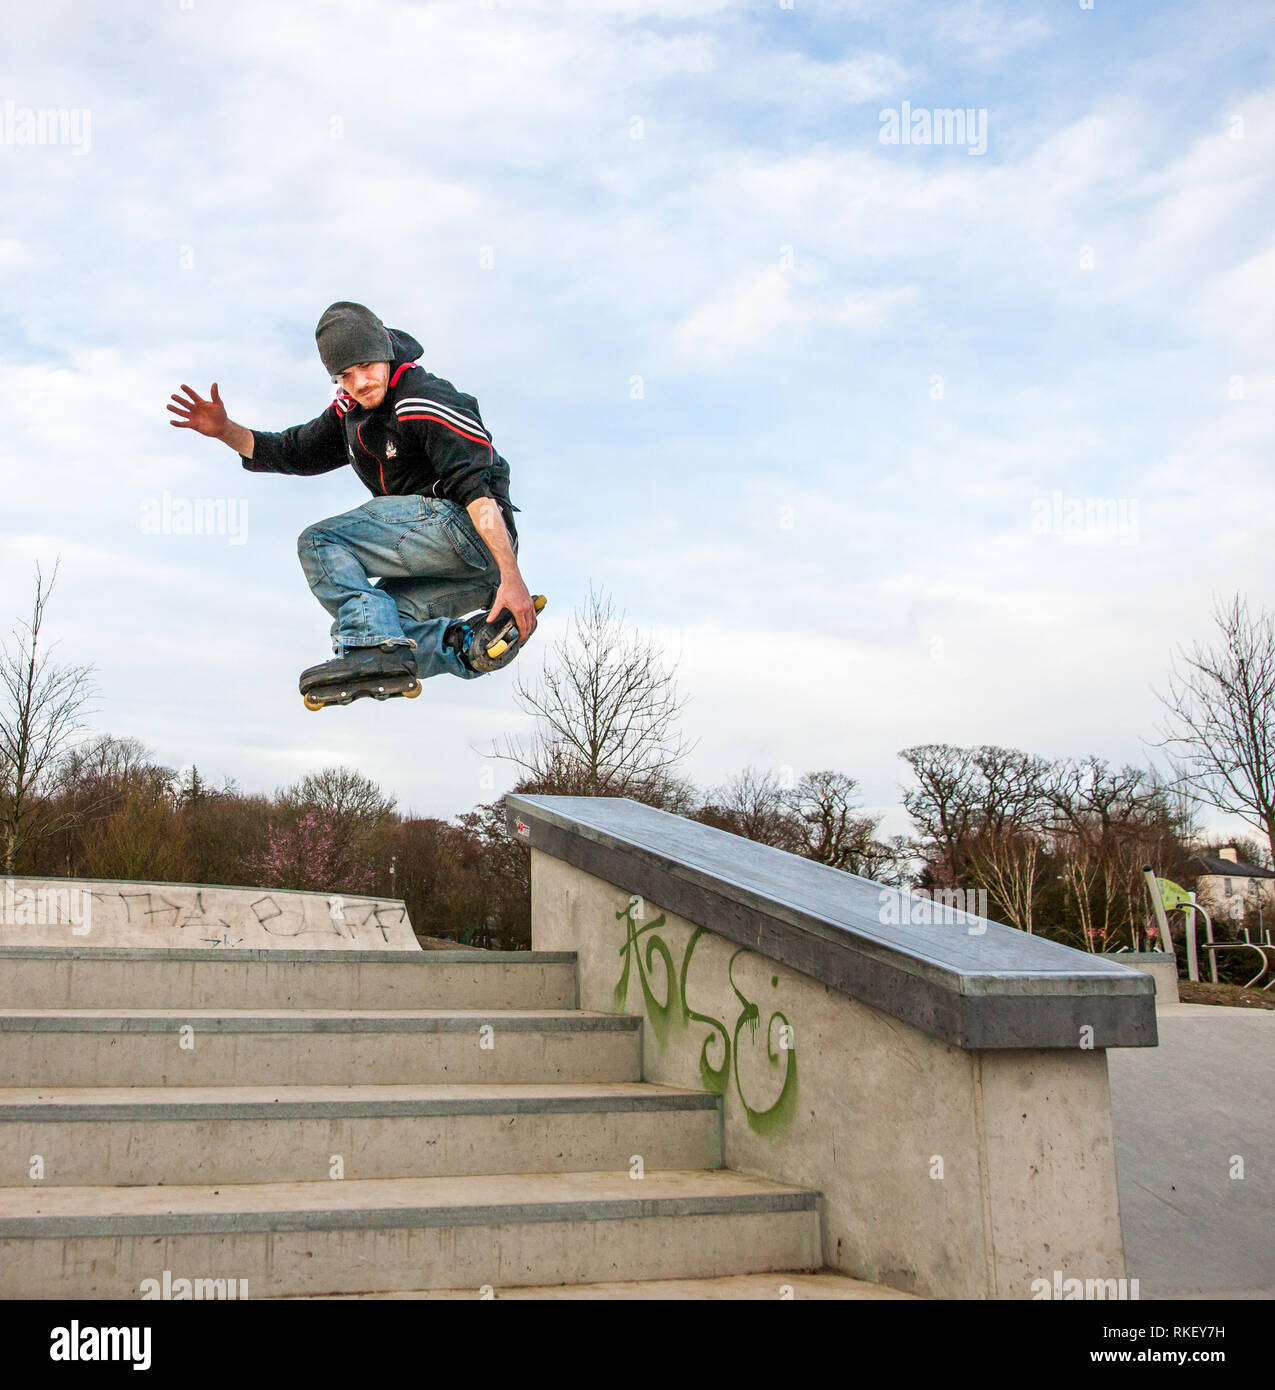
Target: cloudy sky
point(883, 442)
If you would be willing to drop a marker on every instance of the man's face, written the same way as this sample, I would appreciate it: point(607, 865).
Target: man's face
point(367, 382)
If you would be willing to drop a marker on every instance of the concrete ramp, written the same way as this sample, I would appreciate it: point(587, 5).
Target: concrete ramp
point(940, 1079)
point(119, 913)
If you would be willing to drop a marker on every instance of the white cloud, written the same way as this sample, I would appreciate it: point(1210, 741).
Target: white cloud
point(461, 127)
point(772, 308)
point(14, 255)
point(1239, 305)
point(988, 33)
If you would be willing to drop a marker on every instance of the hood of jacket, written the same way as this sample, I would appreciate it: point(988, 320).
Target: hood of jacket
point(406, 348)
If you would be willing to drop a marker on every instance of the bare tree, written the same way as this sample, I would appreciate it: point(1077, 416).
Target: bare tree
point(345, 802)
point(944, 805)
point(142, 838)
point(756, 805)
point(1005, 851)
point(979, 814)
point(106, 761)
point(1103, 822)
point(1220, 730)
point(825, 802)
point(343, 794)
point(226, 831)
point(1018, 825)
point(606, 710)
point(98, 780)
point(41, 716)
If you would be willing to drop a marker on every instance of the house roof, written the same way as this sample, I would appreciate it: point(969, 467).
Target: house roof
point(1230, 868)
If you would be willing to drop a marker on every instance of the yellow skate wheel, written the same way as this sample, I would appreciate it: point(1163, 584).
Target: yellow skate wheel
point(312, 703)
point(497, 649)
point(413, 692)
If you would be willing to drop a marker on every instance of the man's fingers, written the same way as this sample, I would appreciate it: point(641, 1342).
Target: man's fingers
point(524, 615)
point(215, 395)
point(180, 410)
point(194, 395)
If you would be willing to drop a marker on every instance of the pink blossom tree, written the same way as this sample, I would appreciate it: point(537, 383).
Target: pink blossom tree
point(310, 853)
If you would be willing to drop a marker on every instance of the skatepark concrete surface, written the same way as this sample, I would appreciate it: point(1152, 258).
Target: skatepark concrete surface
point(490, 1104)
point(1184, 1113)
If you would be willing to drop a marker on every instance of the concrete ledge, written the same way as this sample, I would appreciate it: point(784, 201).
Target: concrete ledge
point(73, 912)
point(574, 1021)
point(274, 1104)
point(1163, 969)
point(972, 982)
point(352, 1204)
point(383, 1260)
point(183, 1136)
point(277, 954)
point(945, 1169)
point(50, 978)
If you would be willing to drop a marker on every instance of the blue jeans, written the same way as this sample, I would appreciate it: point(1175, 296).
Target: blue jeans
point(431, 567)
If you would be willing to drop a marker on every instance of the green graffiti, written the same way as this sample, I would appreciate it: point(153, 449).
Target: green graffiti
point(714, 1078)
point(656, 1011)
point(664, 1017)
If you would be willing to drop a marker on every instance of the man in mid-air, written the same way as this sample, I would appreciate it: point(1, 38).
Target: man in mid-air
point(438, 533)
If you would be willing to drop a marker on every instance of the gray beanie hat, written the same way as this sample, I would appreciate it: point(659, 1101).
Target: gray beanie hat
point(350, 333)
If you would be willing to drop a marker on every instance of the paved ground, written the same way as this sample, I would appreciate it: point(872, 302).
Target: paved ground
point(1182, 1111)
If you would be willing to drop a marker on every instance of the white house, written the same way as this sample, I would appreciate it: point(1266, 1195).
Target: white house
point(1227, 886)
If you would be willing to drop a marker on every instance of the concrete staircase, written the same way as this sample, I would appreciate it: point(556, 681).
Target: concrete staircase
point(362, 1123)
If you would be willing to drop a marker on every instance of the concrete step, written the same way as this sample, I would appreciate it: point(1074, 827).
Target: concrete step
point(206, 1047)
point(823, 1284)
point(106, 978)
point(369, 1236)
point(176, 1135)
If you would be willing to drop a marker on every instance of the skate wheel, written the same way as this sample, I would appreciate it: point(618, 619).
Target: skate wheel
point(312, 703)
point(497, 649)
point(413, 692)
point(539, 602)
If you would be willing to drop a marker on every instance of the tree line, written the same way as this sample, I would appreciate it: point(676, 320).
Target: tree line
point(1057, 845)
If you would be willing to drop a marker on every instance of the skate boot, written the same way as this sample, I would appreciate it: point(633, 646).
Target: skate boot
point(378, 672)
point(487, 646)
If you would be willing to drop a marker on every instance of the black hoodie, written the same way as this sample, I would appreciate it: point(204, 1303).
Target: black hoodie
point(425, 437)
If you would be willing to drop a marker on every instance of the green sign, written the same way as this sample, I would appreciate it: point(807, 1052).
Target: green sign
point(1172, 895)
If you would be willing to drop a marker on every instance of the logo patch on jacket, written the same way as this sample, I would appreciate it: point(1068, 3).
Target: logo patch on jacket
point(390, 450)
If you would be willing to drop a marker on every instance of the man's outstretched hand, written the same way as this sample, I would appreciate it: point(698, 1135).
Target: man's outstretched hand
point(195, 413)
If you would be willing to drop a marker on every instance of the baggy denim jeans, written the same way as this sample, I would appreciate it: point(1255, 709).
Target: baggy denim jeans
point(430, 566)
